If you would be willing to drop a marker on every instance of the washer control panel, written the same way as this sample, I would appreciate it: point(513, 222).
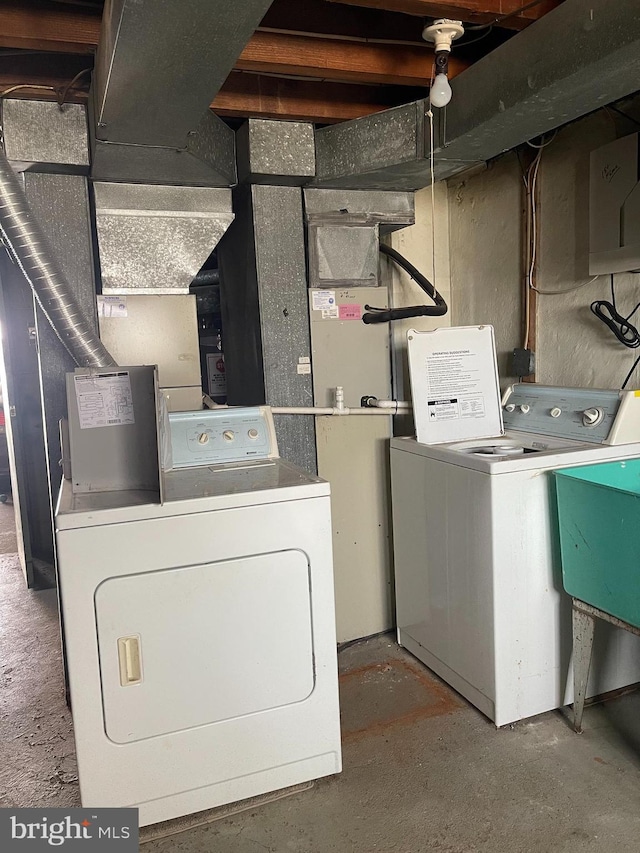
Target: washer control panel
point(586, 414)
point(222, 436)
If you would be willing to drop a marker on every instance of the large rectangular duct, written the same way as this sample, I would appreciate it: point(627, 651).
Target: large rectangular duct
point(154, 239)
point(159, 66)
point(265, 314)
point(580, 56)
point(43, 136)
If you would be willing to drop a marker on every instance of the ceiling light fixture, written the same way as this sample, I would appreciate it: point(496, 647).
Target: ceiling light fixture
point(442, 33)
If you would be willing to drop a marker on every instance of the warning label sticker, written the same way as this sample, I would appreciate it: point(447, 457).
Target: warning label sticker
point(443, 410)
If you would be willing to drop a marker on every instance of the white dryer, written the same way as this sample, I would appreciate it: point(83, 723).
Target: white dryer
point(200, 634)
point(479, 595)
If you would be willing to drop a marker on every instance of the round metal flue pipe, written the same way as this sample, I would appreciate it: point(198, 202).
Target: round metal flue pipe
point(32, 252)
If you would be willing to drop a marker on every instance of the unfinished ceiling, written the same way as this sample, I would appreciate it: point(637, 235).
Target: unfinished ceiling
point(318, 60)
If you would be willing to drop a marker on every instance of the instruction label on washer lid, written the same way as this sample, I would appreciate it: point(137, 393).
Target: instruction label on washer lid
point(323, 300)
point(104, 400)
point(454, 382)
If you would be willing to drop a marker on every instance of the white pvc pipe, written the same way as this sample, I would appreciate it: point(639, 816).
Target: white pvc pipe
point(382, 407)
point(317, 410)
point(392, 404)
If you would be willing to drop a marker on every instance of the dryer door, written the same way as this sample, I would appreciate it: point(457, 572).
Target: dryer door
point(200, 644)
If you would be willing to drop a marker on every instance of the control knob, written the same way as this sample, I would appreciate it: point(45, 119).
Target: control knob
point(253, 434)
point(510, 407)
point(524, 408)
point(555, 412)
point(203, 438)
point(593, 416)
point(228, 435)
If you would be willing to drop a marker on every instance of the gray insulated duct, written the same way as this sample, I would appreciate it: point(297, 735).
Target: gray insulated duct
point(32, 252)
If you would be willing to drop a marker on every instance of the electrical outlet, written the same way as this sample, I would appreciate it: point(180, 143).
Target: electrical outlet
point(524, 362)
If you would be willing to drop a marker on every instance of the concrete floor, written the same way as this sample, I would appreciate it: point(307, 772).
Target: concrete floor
point(423, 771)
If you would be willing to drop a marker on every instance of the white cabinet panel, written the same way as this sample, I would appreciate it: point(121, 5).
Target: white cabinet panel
point(216, 641)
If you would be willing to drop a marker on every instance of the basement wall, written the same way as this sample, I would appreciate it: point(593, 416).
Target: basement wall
point(573, 347)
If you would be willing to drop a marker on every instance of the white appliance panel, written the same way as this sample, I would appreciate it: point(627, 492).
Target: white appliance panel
point(444, 584)
point(479, 594)
point(200, 767)
point(192, 672)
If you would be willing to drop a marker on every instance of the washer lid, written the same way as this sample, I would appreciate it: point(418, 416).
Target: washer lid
point(454, 384)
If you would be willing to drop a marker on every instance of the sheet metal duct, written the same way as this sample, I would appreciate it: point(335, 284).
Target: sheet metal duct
point(44, 137)
point(580, 56)
point(154, 239)
point(159, 66)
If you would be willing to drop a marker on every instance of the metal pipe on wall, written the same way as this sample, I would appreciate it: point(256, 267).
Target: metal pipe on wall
point(32, 253)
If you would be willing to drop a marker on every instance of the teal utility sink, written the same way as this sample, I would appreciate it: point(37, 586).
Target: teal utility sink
point(599, 518)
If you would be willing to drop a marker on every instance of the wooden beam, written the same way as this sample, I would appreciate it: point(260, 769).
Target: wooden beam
point(332, 59)
point(472, 11)
point(318, 17)
point(243, 95)
point(259, 96)
point(48, 27)
point(56, 70)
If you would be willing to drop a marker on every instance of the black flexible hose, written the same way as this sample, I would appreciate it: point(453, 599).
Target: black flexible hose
point(378, 315)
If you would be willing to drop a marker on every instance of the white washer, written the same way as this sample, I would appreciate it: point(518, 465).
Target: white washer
point(200, 637)
point(479, 594)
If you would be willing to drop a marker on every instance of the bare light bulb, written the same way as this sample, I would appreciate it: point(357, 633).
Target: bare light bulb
point(440, 93)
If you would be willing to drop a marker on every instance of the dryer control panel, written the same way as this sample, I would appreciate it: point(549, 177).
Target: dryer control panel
point(584, 414)
point(222, 436)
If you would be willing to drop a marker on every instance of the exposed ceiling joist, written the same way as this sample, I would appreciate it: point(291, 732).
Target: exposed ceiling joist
point(477, 11)
point(321, 60)
point(247, 95)
point(40, 28)
point(319, 18)
point(43, 26)
point(302, 100)
point(332, 59)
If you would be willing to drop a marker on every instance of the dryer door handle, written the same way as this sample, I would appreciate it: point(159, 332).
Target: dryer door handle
point(130, 660)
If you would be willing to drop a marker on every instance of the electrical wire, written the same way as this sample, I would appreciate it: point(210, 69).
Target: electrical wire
point(566, 290)
point(543, 144)
point(505, 17)
point(531, 184)
point(630, 373)
point(621, 326)
point(64, 92)
point(532, 237)
point(61, 92)
point(479, 38)
point(37, 86)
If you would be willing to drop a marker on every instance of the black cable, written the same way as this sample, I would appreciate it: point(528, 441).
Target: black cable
point(383, 315)
point(622, 328)
point(630, 373)
point(64, 92)
point(479, 38)
point(508, 15)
